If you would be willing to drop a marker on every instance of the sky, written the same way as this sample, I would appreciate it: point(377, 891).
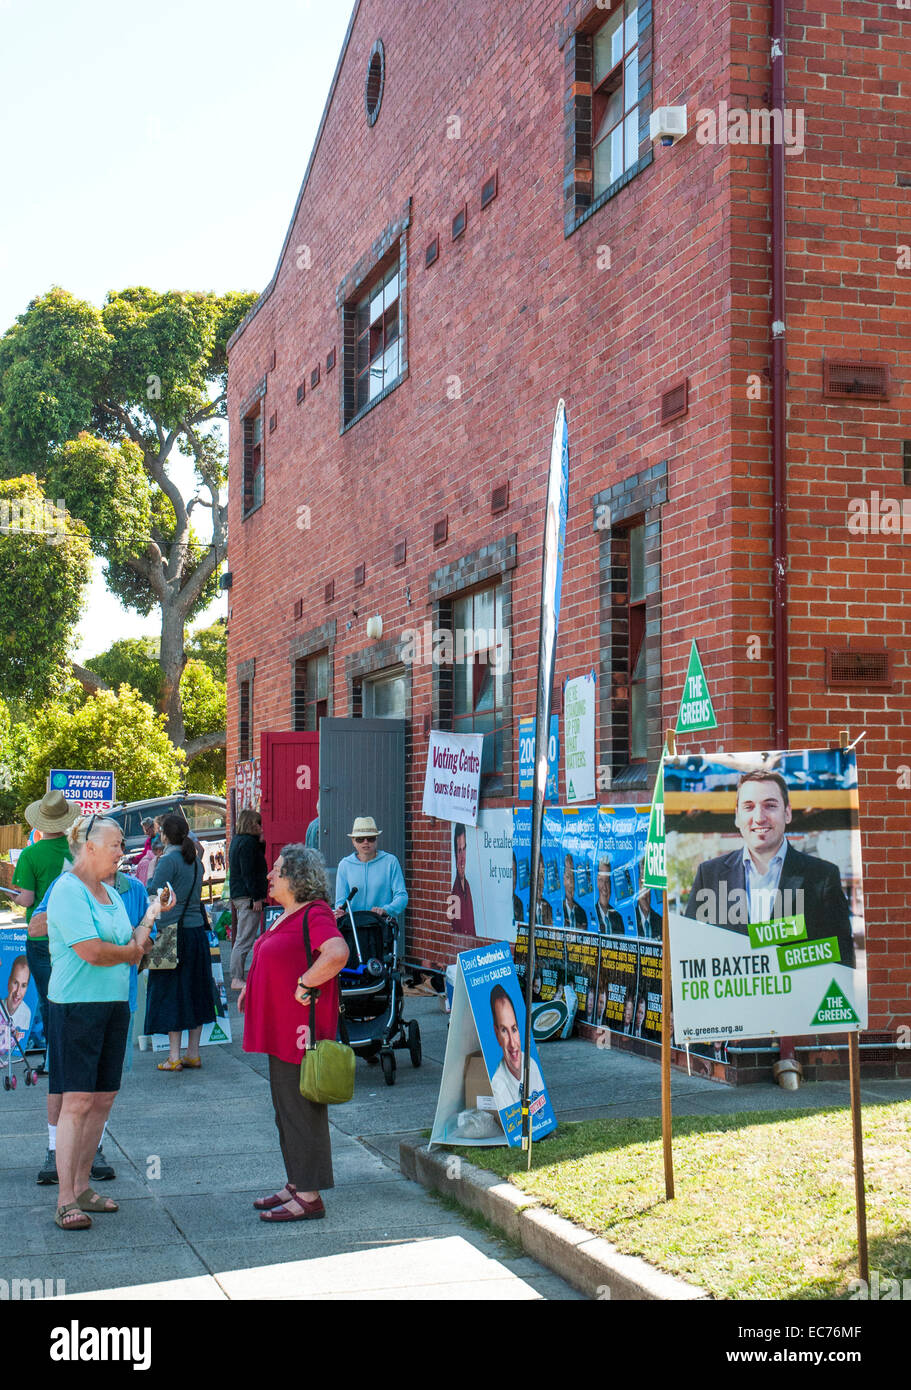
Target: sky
point(154, 144)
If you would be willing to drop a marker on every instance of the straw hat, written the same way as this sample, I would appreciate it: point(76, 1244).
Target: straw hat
point(364, 825)
point(53, 813)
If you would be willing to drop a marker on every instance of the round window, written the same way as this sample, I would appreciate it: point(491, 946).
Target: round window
point(376, 76)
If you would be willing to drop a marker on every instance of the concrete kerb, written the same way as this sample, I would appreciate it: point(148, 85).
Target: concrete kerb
point(588, 1263)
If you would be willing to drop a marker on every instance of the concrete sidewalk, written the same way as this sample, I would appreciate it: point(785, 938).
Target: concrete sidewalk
point(191, 1152)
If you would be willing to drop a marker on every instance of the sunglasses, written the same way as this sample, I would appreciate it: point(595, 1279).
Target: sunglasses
point(120, 844)
point(364, 839)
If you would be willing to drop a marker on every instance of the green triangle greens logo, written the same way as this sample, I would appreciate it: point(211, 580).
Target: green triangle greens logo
point(655, 871)
point(696, 710)
point(835, 1008)
point(217, 1034)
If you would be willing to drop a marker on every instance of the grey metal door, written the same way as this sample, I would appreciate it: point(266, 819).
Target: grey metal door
point(362, 773)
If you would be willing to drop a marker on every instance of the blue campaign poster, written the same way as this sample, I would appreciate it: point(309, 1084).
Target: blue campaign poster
point(20, 1014)
point(552, 859)
point(580, 844)
point(521, 853)
point(498, 1009)
point(527, 727)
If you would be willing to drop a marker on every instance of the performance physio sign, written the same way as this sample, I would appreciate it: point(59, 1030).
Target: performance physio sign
point(91, 791)
point(453, 777)
point(765, 893)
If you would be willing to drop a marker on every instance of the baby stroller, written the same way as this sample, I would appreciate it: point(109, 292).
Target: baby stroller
point(8, 1041)
point(371, 990)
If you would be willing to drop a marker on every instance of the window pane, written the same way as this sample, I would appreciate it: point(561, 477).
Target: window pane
point(462, 702)
point(613, 111)
point(363, 321)
point(608, 45)
point(385, 698)
point(632, 137)
point(391, 323)
point(631, 82)
point(484, 614)
point(616, 153)
point(376, 305)
point(602, 167)
point(483, 686)
point(637, 564)
point(258, 430)
point(632, 24)
point(461, 613)
point(391, 291)
point(376, 380)
point(638, 728)
point(363, 386)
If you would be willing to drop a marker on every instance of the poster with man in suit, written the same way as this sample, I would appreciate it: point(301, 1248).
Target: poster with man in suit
point(761, 849)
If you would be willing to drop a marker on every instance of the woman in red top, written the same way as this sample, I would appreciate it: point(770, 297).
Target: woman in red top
point(275, 1002)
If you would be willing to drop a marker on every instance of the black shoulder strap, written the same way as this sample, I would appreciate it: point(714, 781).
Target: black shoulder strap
point(341, 1020)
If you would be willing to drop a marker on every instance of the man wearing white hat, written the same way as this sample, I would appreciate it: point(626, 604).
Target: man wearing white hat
point(376, 875)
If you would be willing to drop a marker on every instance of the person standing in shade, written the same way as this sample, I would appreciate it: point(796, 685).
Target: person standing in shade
point(311, 839)
point(376, 875)
point(181, 999)
point(37, 867)
point(247, 873)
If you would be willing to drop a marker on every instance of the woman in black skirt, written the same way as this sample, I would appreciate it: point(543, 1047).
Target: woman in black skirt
point(183, 998)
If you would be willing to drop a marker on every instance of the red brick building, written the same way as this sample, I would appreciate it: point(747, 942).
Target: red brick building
point(485, 225)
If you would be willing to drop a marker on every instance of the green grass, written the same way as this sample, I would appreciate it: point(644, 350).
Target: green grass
point(764, 1202)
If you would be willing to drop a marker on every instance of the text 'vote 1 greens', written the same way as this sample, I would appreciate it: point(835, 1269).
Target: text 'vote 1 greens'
point(765, 898)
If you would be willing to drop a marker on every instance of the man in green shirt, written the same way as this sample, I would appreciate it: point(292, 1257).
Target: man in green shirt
point(37, 867)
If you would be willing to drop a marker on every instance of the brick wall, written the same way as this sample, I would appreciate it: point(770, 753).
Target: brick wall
point(669, 278)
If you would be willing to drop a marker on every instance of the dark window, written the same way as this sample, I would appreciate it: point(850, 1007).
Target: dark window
point(243, 741)
point(253, 461)
point(629, 664)
point(377, 357)
point(311, 690)
point(480, 653)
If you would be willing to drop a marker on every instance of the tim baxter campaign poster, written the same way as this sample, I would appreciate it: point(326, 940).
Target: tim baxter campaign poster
point(765, 894)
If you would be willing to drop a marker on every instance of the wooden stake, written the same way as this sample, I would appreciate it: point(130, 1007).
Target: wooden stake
point(666, 998)
point(857, 1132)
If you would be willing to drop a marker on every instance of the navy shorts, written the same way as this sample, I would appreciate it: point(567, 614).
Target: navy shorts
point(86, 1045)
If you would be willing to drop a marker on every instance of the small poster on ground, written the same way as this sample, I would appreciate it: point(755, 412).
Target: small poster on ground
point(480, 1100)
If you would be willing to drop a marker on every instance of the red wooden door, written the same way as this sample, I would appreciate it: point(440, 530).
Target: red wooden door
point(289, 764)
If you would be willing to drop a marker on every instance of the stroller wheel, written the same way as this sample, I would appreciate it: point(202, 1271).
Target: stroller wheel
point(6, 1084)
point(34, 1078)
point(28, 1078)
point(414, 1043)
point(388, 1061)
point(12, 1082)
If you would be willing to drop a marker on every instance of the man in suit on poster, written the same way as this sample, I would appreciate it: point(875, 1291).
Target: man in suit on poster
point(766, 877)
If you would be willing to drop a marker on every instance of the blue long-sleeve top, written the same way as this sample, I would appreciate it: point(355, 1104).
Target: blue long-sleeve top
point(379, 883)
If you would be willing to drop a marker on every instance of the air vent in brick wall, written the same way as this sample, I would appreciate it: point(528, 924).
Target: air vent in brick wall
point(298, 609)
point(360, 575)
point(301, 392)
point(272, 361)
point(399, 551)
point(489, 190)
point(460, 222)
point(314, 377)
point(499, 499)
point(273, 421)
point(854, 669)
point(329, 591)
point(675, 401)
point(858, 381)
point(330, 359)
point(906, 462)
point(440, 530)
point(432, 253)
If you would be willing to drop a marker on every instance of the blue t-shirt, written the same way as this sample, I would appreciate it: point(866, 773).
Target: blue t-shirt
point(74, 916)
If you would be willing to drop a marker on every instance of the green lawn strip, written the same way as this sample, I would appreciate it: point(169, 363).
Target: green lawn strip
point(765, 1201)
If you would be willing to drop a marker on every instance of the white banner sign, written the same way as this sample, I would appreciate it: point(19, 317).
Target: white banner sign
point(483, 886)
point(579, 738)
point(453, 777)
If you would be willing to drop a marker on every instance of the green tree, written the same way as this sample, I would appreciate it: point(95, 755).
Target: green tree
point(131, 661)
point(117, 732)
point(45, 565)
point(103, 402)
point(210, 644)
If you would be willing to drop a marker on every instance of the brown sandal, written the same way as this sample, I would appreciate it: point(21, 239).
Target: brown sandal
point(82, 1223)
point(89, 1200)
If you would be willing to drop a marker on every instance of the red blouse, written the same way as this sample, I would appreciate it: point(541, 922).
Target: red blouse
point(274, 1021)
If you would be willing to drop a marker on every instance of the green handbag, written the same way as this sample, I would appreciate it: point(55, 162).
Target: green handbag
point(327, 1068)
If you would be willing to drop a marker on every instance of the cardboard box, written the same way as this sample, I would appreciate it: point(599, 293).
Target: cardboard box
point(477, 1082)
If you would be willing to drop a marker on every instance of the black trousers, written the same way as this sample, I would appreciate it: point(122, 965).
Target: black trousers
point(303, 1129)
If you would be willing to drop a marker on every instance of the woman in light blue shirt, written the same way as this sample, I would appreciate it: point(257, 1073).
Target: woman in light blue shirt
point(92, 947)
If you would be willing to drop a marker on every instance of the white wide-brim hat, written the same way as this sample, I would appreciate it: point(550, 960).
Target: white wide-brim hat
point(364, 825)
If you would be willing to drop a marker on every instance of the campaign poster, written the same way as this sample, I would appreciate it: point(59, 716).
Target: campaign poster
point(765, 894)
point(247, 785)
point(488, 1013)
point(561, 958)
point(579, 738)
point(20, 1011)
point(622, 906)
point(629, 987)
point(484, 873)
point(215, 861)
point(452, 779)
point(579, 848)
point(92, 792)
point(552, 860)
point(527, 726)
